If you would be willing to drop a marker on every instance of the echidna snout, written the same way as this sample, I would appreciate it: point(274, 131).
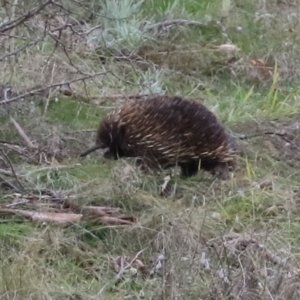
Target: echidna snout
point(90, 150)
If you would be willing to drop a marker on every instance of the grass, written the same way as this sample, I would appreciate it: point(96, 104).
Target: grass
point(210, 239)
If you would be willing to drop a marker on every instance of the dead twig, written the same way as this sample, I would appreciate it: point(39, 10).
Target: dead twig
point(9, 143)
point(168, 23)
point(23, 134)
point(237, 244)
point(21, 151)
point(116, 220)
point(15, 52)
point(124, 268)
point(36, 91)
point(7, 173)
point(13, 170)
point(70, 26)
point(282, 135)
point(23, 201)
point(4, 182)
point(247, 137)
point(5, 26)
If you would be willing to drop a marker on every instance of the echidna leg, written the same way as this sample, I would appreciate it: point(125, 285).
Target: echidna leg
point(116, 153)
point(144, 165)
point(109, 155)
point(189, 169)
point(216, 168)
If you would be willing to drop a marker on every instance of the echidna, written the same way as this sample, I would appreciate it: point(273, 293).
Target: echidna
point(167, 131)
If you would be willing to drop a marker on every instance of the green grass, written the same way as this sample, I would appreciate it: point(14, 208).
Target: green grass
point(203, 229)
point(14, 234)
point(73, 114)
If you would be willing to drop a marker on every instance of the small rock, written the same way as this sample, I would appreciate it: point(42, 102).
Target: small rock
point(216, 216)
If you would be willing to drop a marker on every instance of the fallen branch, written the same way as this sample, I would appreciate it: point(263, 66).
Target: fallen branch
point(116, 220)
point(101, 210)
point(61, 218)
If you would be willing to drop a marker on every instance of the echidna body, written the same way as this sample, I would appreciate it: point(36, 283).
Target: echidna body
point(167, 131)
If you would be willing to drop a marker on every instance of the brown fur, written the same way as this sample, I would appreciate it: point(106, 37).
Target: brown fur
point(165, 131)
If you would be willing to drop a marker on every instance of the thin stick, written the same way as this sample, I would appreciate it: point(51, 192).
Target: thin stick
point(23, 134)
point(13, 170)
point(7, 173)
point(3, 181)
point(124, 268)
point(17, 21)
point(33, 92)
point(168, 23)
